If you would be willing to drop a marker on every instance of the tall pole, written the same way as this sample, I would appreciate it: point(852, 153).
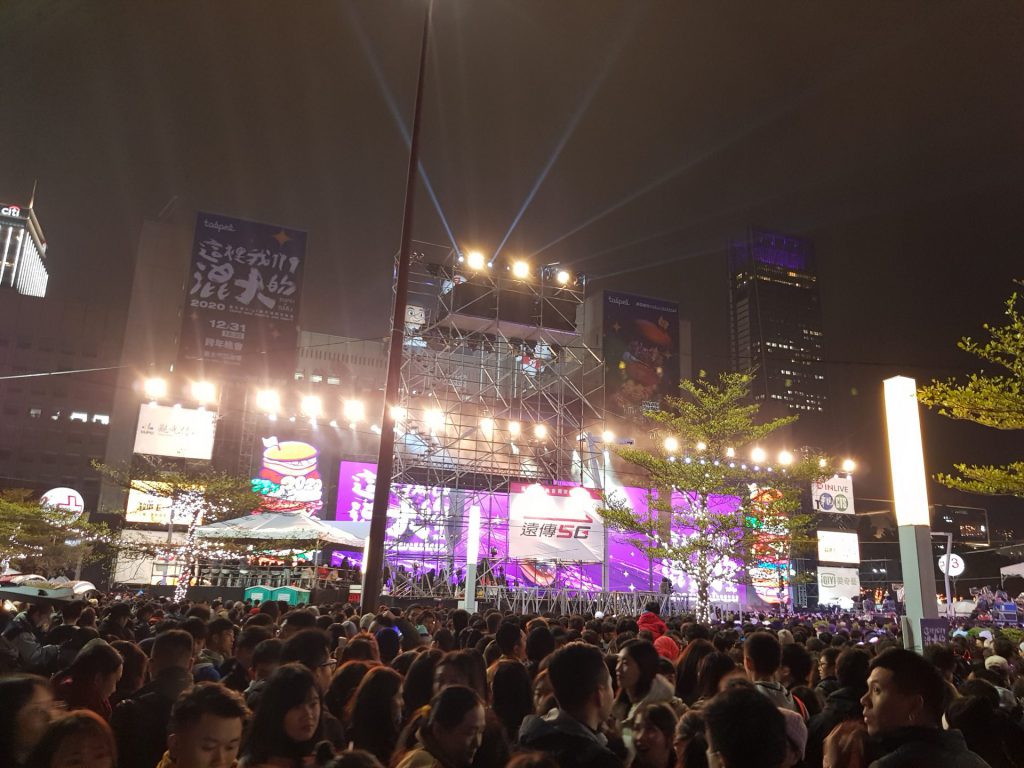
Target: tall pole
point(373, 566)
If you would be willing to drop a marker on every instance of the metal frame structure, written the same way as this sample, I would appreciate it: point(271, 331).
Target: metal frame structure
point(497, 386)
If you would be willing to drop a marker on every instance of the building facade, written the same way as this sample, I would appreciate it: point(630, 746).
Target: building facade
point(23, 263)
point(775, 320)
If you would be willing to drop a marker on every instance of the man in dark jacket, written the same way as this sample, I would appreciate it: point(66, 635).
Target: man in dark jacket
point(570, 733)
point(903, 714)
point(842, 704)
point(140, 722)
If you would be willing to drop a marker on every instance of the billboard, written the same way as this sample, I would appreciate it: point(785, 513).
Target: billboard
point(833, 495)
point(640, 341)
point(838, 547)
point(242, 307)
point(146, 505)
point(555, 523)
point(289, 477)
point(838, 586)
point(186, 433)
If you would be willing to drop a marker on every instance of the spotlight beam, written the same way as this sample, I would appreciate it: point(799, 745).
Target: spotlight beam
point(570, 128)
point(396, 114)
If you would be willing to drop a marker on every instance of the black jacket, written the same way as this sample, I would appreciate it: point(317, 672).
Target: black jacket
point(568, 741)
point(140, 722)
point(842, 704)
point(925, 748)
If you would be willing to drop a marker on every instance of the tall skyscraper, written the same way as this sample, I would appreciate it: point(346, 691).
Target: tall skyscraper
point(23, 263)
point(775, 317)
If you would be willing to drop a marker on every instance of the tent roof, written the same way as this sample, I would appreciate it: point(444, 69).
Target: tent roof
point(1016, 569)
point(281, 526)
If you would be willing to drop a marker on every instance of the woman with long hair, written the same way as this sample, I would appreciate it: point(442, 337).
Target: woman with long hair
point(846, 746)
point(713, 667)
point(687, 668)
point(511, 696)
point(76, 740)
point(418, 686)
point(26, 709)
point(689, 741)
point(343, 686)
point(135, 672)
point(286, 726)
point(639, 683)
point(654, 727)
point(375, 713)
point(91, 679)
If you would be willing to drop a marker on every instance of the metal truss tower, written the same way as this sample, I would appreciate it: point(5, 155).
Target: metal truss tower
point(497, 387)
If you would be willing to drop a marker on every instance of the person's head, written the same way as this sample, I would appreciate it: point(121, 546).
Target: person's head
point(205, 729)
point(220, 636)
point(943, 659)
point(350, 758)
point(540, 643)
point(171, 649)
point(136, 665)
point(652, 607)
point(196, 627)
point(418, 685)
point(543, 693)
point(761, 740)
point(846, 746)
point(119, 613)
point(296, 621)
point(455, 725)
point(71, 611)
point(689, 741)
point(465, 667)
point(852, 668)
point(97, 666)
point(26, 709)
point(39, 615)
point(266, 657)
point(762, 655)
point(510, 640)
point(636, 668)
point(312, 649)
point(582, 683)
point(713, 667)
point(246, 644)
point(688, 669)
point(827, 662)
point(75, 740)
point(796, 737)
point(344, 685)
point(287, 719)
point(796, 665)
point(903, 690)
point(511, 695)
point(654, 726)
point(376, 709)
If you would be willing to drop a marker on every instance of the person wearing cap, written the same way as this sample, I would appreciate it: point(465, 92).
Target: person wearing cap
point(667, 648)
point(651, 620)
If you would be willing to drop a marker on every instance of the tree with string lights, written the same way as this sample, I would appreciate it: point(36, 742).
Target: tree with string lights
point(991, 399)
point(710, 514)
point(194, 495)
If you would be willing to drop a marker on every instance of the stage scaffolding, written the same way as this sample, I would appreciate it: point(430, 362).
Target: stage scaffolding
point(497, 386)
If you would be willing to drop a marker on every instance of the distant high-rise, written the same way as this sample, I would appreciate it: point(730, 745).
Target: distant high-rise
point(23, 264)
point(775, 318)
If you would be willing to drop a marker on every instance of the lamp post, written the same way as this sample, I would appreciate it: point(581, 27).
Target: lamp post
point(910, 492)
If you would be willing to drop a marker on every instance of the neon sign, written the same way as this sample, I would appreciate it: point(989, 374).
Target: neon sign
point(290, 477)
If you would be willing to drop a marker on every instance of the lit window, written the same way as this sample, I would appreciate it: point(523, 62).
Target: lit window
point(316, 378)
point(298, 375)
point(333, 380)
point(100, 418)
point(80, 416)
point(35, 413)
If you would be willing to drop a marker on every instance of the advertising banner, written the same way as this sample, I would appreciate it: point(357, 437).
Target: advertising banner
point(145, 505)
point(640, 341)
point(833, 495)
point(289, 477)
point(838, 586)
point(555, 523)
point(242, 308)
point(186, 433)
point(838, 547)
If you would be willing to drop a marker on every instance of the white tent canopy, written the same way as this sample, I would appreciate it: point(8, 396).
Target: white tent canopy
point(280, 526)
point(1011, 570)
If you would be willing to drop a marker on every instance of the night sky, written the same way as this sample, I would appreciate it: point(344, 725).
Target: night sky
point(653, 132)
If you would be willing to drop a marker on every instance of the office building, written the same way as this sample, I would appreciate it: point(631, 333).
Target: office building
point(775, 318)
point(23, 264)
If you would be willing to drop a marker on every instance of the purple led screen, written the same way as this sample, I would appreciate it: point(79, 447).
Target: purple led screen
point(427, 531)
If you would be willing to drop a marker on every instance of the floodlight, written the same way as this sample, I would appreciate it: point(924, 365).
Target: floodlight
point(671, 444)
point(540, 431)
point(475, 260)
point(397, 413)
point(849, 465)
point(785, 458)
point(353, 410)
point(520, 270)
point(434, 419)
point(514, 428)
point(268, 401)
point(155, 388)
point(758, 455)
point(608, 436)
point(487, 427)
point(563, 277)
point(311, 406)
point(203, 391)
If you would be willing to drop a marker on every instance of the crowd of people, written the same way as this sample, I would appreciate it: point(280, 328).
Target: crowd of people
point(143, 683)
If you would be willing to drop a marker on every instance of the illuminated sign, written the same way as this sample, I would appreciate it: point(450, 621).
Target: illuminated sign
point(838, 586)
point(833, 495)
point(838, 547)
point(10, 210)
point(67, 499)
point(290, 477)
point(951, 564)
point(148, 503)
point(186, 433)
point(555, 523)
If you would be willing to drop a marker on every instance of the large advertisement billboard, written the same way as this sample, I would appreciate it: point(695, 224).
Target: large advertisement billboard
point(838, 586)
point(289, 477)
point(186, 433)
point(242, 307)
point(640, 341)
point(555, 523)
point(838, 547)
point(149, 503)
point(833, 495)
